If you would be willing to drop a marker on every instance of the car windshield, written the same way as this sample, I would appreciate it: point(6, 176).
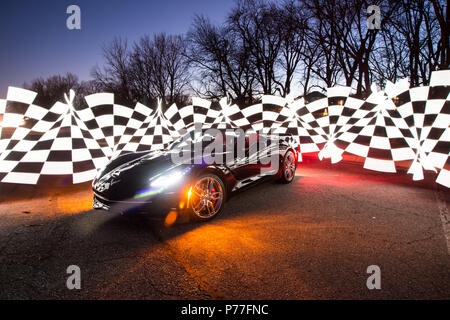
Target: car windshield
point(192, 138)
point(205, 137)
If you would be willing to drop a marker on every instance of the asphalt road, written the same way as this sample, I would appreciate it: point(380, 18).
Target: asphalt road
point(313, 239)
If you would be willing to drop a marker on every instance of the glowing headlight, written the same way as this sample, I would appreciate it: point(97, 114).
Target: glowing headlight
point(167, 180)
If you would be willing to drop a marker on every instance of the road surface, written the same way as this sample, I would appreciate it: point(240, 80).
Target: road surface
point(313, 239)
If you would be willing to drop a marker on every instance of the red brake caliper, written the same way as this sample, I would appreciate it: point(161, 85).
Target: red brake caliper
point(213, 190)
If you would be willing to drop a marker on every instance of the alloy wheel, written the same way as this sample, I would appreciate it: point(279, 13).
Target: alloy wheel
point(207, 197)
point(289, 166)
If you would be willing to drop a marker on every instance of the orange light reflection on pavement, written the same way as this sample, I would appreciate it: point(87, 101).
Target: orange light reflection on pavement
point(75, 204)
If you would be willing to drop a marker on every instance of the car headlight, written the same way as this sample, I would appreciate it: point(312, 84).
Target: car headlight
point(169, 179)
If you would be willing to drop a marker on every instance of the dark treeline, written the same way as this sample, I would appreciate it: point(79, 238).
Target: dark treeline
point(273, 47)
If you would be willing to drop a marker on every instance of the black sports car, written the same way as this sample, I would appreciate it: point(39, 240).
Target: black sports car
point(185, 177)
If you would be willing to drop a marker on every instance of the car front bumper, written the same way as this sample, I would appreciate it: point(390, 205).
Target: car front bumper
point(157, 205)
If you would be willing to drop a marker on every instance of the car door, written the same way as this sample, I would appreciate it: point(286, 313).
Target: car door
point(268, 155)
point(246, 167)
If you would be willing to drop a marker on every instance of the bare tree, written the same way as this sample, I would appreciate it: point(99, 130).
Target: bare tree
point(293, 29)
point(346, 43)
point(153, 68)
point(52, 89)
point(222, 61)
point(321, 36)
point(159, 69)
point(115, 76)
point(257, 24)
point(389, 60)
point(310, 57)
point(416, 25)
point(444, 23)
point(264, 46)
point(176, 65)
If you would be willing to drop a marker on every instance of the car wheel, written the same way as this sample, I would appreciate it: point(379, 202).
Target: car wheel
point(207, 197)
point(288, 167)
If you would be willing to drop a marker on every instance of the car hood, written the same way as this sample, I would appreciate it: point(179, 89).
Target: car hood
point(130, 178)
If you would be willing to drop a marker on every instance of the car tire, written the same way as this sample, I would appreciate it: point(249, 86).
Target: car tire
point(287, 167)
point(207, 197)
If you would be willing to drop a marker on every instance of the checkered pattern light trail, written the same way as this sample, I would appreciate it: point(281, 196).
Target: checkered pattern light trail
point(66, 149)
point(138, 116)
point(341, 115)
point(375, 137)
point(13, 110)
point(307, 137)
point(315, 119)
point(201, 112)
point(424, 120)
point(22, 138)
point(397, 124)
point(110, 122)
point(156, 133)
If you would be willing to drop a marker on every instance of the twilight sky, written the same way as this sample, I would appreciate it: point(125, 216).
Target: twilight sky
point(35, 41)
